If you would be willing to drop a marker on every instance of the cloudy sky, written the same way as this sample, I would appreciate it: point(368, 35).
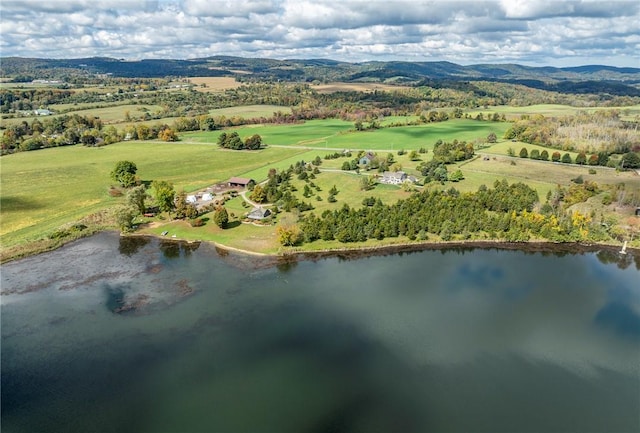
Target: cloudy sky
point(530, 32)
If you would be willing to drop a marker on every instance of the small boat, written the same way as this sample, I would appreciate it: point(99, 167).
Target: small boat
point(624, 248)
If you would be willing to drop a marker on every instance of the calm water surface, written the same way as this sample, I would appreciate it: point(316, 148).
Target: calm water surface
point(140, 335)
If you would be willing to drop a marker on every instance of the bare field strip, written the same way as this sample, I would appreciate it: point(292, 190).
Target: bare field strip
point(214, 84)
point(355, 87)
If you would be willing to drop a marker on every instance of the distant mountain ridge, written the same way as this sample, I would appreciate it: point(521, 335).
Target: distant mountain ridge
point(620, 80)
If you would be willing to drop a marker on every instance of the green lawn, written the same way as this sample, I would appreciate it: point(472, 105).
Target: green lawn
point(45, 189)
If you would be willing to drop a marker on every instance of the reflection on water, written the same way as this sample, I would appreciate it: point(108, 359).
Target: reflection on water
point(173, 336)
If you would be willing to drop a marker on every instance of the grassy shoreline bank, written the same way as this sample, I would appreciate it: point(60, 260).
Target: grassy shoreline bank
point(394, 246)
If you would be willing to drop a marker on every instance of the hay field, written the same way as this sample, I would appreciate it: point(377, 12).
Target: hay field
point(339, 134)
point(355, 87)
point(554, 110)
point(249, 111)
point(214, 84)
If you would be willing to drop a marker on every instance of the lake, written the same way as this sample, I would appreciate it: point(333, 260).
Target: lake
point(113, 334)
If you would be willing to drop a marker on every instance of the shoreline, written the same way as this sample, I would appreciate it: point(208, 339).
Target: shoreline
point(350, 253)
point(353, 253)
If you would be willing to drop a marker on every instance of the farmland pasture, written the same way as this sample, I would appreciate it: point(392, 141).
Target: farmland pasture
point(111, 114)
point(355, 87)
point(338, 134)
point(43, 190)
point(553, 110)
point(249, 111)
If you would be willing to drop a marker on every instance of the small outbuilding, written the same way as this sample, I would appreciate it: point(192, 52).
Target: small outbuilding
point(367, 158)
point(239, 182)
point(207, 196)
point(259, 213)
point(191, 199)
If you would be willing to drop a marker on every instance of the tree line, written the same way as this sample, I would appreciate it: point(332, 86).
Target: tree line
point(504, 212)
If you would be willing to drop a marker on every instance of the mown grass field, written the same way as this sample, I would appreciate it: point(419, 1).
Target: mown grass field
point(339, 135)
point(45, 189)
point(249, 111)
point(309, 133)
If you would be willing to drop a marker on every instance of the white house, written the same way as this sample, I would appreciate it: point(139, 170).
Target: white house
point(393, 177)
point(191, 199)
point(259, 213)
point(207, 196)
point(42, 112)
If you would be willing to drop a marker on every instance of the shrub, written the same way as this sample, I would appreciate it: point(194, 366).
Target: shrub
point(198, 222)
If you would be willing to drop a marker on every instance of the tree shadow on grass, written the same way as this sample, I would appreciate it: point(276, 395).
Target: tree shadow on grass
point(233, 224)
point(18, 204)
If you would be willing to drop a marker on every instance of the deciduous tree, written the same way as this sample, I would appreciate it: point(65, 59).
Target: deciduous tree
point(164, 195)
point(125, 173)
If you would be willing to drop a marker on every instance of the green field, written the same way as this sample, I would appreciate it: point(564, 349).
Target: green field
point(45, 189)
point(308, 133)
point(338, 134)
point(249, 111)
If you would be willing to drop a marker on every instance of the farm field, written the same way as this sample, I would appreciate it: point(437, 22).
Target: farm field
point(309, 133)
point(502, 148)
point(214, 84)
point(355, 87)
point(249, 111)
point(44, 190)
point(338, 134)
point(112, 114)
point(541, 175)
point(553, 110)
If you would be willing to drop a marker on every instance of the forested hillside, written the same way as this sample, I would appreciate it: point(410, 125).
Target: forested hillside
point(584, 79)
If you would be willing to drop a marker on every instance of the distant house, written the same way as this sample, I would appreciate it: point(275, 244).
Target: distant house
point(259, 213)
point(207, 196)
point(367, 158)
point(393, 177)
point(42, 112)
point(191, 199)
point(239, 182)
